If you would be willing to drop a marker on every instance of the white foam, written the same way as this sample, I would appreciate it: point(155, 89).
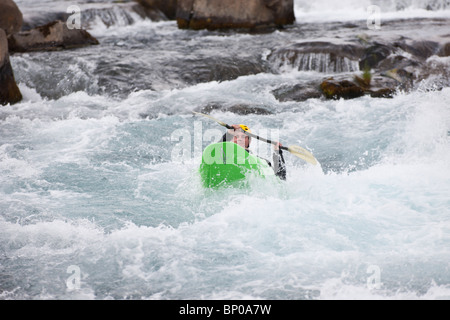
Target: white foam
point(353, 10)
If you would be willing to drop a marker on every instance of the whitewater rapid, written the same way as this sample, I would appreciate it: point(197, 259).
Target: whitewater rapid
point(103, 194)
point(94, 204)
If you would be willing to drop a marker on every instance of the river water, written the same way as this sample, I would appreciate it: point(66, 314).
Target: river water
point(98, 203)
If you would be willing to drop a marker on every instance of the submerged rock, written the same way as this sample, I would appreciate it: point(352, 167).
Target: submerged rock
point(298, 92)
point(52, 36)
point(244, 109)
point(382, 93)
point(240, 109)
point(231, 14)
point(223, 69)
point(9, 92)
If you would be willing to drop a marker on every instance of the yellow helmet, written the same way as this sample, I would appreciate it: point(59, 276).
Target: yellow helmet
point(245, 128)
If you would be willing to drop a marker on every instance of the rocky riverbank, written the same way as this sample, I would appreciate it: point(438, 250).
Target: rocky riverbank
point(55, 35)
point(353, 61)
point(365, 67)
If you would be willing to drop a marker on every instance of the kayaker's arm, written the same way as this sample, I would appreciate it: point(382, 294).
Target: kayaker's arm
point(279, 165)
point(228, 136)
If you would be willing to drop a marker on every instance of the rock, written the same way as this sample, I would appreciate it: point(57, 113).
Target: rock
point(435, 74)
point(232, 14)
point(240, 109)
point(444, 51)
point(42, 18)
point(362, 82)
point(402, 76)
point(382, 93)
point(9, 92)
point(299, 92)
point(52, 36)
point(397, 61)
point(243, 109)
point(341, 89)
point(283, 11)
point(399, 55)
point(374, 54)
point(420, 49)
point(11, 18)
point(167, 7)
point(223, 69)
point(210, 107)
point(378, 87)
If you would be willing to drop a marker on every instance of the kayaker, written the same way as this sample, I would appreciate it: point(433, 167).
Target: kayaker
point(238, 136)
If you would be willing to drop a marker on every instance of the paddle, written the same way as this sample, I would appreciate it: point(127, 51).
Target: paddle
point(295, 150)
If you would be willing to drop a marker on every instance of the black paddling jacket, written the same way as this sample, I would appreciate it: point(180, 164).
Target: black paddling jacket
point(279, 166)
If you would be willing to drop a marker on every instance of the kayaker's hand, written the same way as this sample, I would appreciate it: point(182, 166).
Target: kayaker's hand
point(277, 146)
point(235, 127)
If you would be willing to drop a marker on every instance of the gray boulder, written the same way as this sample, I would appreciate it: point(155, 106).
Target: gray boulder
point(52, 36)
point(234, 14)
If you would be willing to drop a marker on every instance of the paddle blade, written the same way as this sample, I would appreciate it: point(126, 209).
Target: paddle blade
point(303, 154)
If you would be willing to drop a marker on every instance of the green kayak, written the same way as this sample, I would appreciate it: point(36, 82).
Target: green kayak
point(228, 164)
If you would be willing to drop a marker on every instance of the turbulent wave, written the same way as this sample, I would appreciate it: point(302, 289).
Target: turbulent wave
point(100, 191)
point(90, 193)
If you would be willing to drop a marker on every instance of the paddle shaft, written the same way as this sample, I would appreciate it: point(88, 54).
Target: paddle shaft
point(297, 150)
point(246, 132)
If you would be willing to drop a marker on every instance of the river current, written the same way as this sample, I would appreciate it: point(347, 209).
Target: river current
point(97, 202)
